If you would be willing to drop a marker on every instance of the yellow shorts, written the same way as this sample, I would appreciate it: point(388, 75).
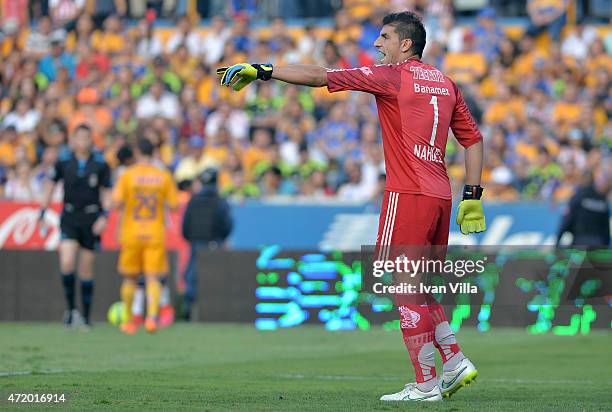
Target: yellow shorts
point(143, 258)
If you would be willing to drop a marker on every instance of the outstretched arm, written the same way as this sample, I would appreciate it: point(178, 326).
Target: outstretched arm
point(381, 81)
point(301, 74)
point(240, 75)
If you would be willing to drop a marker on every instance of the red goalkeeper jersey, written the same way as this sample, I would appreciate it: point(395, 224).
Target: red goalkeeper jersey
point(417, 105)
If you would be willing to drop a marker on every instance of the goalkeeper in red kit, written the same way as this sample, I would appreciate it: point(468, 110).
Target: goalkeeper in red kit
point(417, 105)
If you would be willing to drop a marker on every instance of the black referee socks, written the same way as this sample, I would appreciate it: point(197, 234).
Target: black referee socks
point(87, 287)
point(68, 281)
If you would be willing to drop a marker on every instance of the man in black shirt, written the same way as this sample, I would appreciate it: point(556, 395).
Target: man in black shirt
point(588, 213)
point(87, 180)
point(207, 222)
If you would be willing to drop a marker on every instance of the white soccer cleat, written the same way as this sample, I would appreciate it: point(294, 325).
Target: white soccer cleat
point(72, 319)
point(464, 374)
point(412, 393)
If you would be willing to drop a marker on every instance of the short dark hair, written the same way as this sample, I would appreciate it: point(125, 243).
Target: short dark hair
point(145, 147)
point(125, 154)
point(408, 26)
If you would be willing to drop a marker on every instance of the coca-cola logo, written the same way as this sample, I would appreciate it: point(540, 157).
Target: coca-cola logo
point(21, 229)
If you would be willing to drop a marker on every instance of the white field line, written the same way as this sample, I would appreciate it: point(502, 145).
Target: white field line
point(358, 378)
point(25, 373)
point(398, 379)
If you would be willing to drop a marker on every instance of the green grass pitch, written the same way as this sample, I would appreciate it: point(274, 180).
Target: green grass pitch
point(220, 367)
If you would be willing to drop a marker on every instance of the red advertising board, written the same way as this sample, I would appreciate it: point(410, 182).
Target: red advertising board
point(19, 229)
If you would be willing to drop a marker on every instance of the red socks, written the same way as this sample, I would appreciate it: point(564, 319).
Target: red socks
point(418, 331)
point(444, 339)
point(424, 326)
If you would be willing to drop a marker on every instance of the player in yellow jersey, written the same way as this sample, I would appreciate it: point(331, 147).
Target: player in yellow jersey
point(143, 192)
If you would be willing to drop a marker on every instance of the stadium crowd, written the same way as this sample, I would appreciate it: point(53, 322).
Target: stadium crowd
point(542, 99)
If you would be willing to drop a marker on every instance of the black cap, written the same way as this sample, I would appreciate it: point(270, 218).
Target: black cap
point(209, 176)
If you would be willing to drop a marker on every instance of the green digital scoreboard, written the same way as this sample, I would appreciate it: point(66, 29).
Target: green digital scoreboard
point(546, 290)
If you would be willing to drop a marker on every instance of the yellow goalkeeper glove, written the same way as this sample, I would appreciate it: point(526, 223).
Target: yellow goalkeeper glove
point(470, 215)
point(245, 73)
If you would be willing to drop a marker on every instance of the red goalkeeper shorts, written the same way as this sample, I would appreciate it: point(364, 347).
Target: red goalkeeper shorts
point(411, 220)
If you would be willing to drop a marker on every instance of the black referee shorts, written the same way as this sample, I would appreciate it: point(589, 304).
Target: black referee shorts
point(78, 227)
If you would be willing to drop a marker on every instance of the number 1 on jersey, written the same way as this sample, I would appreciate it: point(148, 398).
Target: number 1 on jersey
point(434, 129)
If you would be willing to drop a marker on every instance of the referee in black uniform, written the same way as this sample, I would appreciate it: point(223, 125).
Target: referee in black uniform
point(87, 180)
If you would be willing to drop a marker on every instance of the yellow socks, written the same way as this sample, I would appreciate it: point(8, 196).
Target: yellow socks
point(153, 294)
point(128, 289)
